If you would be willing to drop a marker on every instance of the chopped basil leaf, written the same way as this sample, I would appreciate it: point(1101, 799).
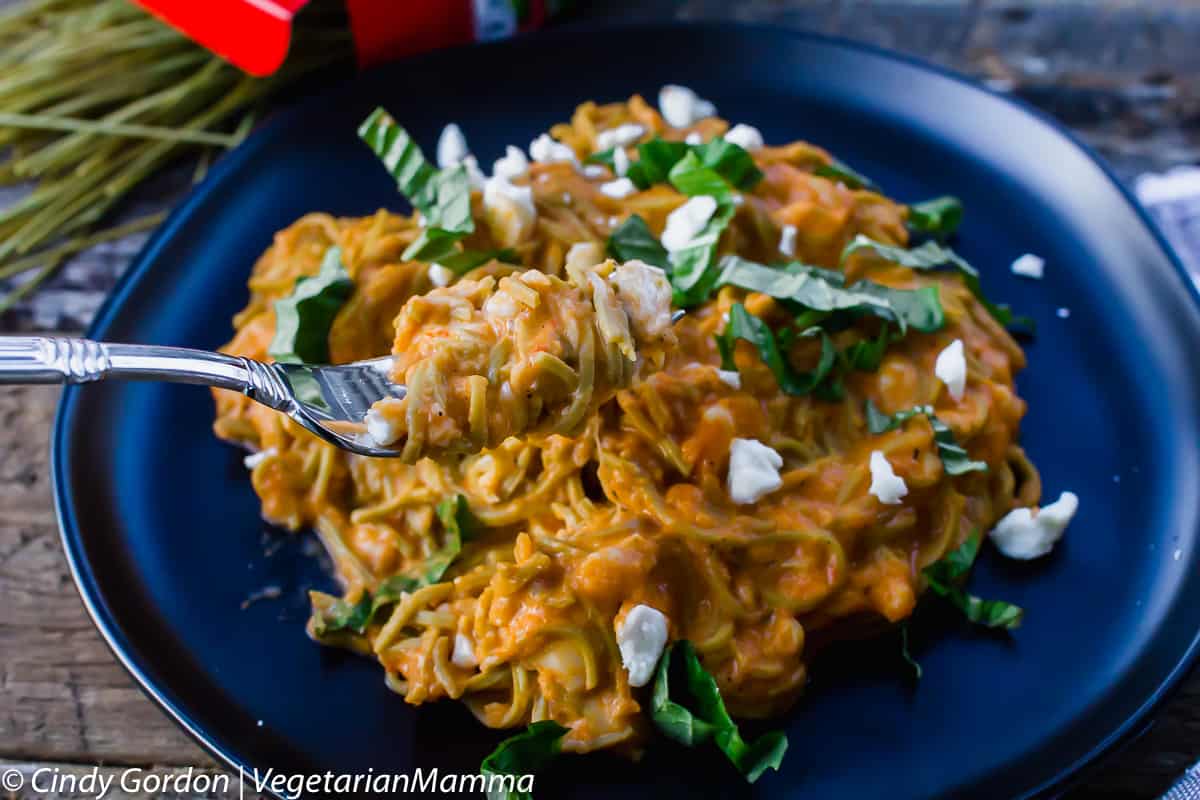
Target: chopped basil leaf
point(879, 422)
point(399, 153)
point(715, 168)
point(442, 196)
point(343, 616)
point(707, 717)
point(939, 217)
point(433, 244)
point(906, 654)
point(825, 290)
point(633, 239)
point(731, 161)
point(927, 256)
point(304, 317)
point(932, 255)
point(744, 325)
point(955, 460)
point(845, 174)
point(945, 578)
point(655, 160)
point(467, 260)
point(445, 204)
point(521, 755)
point(710, 168)
point(459, 525)
point(867, 355)
point(447, 201)
point(691, 275)
point(691, 177)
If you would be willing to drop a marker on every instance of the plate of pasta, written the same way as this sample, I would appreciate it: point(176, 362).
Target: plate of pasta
point(785, 425)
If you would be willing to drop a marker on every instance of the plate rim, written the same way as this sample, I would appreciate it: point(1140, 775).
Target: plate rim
point(71, 533)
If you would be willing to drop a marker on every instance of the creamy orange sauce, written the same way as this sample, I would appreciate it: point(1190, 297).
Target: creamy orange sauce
point(631, 506)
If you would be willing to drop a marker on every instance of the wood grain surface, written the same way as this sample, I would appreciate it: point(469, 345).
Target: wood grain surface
point(1124, 74)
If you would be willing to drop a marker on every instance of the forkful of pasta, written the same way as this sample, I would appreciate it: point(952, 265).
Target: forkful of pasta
point(472, 363)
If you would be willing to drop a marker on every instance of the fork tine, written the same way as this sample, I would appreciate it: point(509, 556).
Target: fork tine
point(339, 393)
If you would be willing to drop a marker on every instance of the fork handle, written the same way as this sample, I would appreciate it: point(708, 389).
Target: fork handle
point(43, 359)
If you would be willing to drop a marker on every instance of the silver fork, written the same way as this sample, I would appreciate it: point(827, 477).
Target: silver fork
point(322, 399)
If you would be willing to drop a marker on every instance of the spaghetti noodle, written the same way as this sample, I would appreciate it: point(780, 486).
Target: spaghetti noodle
point(594, 456)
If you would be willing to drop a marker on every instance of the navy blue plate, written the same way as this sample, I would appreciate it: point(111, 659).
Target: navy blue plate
point(162, 529)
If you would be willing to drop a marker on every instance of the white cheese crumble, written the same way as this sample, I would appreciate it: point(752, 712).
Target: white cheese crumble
point(254, 459)
point(787, 240)
point(464, 653)
point(886, 485)
point(693, 138)
point(729, 377)
point(511, 165)
point(620, 188)
point(753, 471)
point(620, 162)
point(746, 137)
point(620, 136)
point(645, 294)
point(1021, 534)
point(383, 430)
point(680, 106)
point(594, 171)
point(545, 150)
point(440, 276)
point(1030, 266)
point(451, 146)
point(951, 369)
point(686, 221)
point(508, 210)
point(641, 637)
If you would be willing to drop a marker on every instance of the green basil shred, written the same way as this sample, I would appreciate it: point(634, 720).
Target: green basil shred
point(523, 754)
point(304, 317)
point(744, 325)
point(713, 168)
point(633, 239)
point(939, 217)
point(442, 196)
point(845, 174)
point(654, 162)
point(716, 168)
point(930, 256)
point(955, 460)
point(946, 576)
point(826, 290)
point(692, 272)
point(459, 525)
point(693, 713)
point(467, 260)
point(355, 617)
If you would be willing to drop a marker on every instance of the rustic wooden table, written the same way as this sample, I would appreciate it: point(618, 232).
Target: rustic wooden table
point(1124, 74)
